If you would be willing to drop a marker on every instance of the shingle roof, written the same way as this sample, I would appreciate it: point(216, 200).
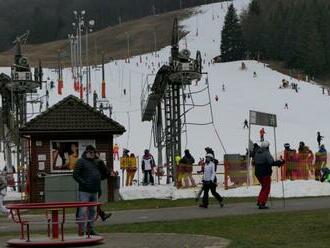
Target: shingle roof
point(71, 115)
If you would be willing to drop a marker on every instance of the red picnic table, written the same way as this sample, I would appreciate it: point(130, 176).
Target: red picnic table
point(53, 223)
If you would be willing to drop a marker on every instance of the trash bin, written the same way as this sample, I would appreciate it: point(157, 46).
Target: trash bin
point(115, 185)
point(116, 182)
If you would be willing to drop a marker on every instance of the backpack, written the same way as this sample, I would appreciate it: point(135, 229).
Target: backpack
point(216, 162)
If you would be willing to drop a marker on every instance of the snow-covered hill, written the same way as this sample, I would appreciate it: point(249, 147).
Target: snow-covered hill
point(307, 113)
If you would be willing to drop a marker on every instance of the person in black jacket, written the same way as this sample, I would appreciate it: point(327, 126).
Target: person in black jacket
point(188, 161)
point(88, 177)
point(319, 138)
point(263, 162)
point(105, 173)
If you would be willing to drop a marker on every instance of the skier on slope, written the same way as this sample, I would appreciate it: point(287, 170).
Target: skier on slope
point(246, 124)
point(319, 138)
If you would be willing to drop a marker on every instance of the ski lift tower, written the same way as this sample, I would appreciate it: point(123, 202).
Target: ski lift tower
point(162, 100)
point(13, 90)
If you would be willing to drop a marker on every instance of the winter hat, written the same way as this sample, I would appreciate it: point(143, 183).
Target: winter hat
point(186, 151)
point(209, 155)
point(264, 144)
point(286, 145)
point(90, 148)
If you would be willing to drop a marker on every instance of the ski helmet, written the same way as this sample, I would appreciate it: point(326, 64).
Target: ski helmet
point(264, 144)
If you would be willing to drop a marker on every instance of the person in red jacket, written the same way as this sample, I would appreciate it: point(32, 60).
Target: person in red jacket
point(262, 134)
point(115, 152)
point(305, 160)
point(289, 169)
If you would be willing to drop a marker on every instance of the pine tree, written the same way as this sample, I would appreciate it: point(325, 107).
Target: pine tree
point(232, 47)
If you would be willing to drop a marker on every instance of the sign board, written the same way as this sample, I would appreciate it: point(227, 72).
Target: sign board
point(263, 119)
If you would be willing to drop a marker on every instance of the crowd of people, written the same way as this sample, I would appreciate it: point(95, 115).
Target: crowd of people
point(303, 164)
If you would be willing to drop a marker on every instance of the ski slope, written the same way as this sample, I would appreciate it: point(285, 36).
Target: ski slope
point(307, 113)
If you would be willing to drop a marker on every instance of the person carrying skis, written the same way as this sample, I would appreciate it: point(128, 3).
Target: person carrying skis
point(209, 182)
point(263, 162)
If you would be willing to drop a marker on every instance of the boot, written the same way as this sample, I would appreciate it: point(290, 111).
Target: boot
point(263, 206)
point(221, 202)
point(104, 216)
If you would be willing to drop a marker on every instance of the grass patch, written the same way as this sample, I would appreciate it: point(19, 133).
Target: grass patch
point(111, 41)
point(298, 229)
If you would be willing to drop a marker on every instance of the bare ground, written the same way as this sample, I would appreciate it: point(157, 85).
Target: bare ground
point(111, 41)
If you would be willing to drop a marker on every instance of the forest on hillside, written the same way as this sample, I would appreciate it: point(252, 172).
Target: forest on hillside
point(50, 20)
point(294, 31)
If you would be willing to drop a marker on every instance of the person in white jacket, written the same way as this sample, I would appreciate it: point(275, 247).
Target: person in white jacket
point(209, 180)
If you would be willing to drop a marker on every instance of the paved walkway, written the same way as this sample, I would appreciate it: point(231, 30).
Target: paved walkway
point(185, 213)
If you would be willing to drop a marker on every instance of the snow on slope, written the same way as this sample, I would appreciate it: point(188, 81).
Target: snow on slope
point(307, 114)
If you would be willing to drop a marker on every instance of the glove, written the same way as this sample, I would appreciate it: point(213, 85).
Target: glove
point(278, 163)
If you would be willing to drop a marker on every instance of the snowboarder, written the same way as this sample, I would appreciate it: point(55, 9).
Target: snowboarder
point(262, 134)
point(216, 98)
point(124, 92)
point(319, 138)
point(263, 162)
point(223, 88)
point(286, 106)
point(209, 182)
point(246, 124)
point(254, 74)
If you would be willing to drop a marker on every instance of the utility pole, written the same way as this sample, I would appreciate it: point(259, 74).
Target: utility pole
point(155, 40)
point(88, 28)
point(128, 47)
point(79, 18)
